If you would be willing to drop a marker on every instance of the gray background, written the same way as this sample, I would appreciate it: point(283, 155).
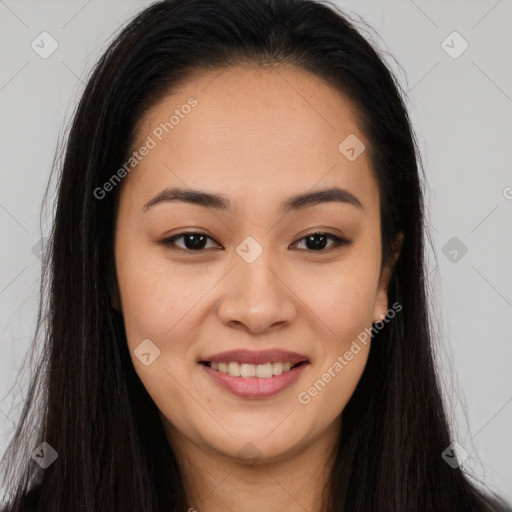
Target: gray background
point(461, 109)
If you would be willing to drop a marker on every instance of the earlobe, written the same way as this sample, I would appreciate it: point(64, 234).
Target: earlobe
point(397, 246)
point(113, 291)
point(381, 301)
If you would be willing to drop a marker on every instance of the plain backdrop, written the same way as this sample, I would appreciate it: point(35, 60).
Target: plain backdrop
point(452, 59)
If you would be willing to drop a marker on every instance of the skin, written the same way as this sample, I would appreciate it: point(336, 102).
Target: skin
point(256, 136)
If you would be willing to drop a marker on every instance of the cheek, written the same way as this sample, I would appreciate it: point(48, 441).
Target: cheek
point(342, 295)
point(328, 392)
point(155, 304)
point(342, 299)
point(344, 307)
point(155, 294)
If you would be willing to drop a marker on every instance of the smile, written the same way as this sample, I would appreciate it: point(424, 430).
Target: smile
point(245, 370)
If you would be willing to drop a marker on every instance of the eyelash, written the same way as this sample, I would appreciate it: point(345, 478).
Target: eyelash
point(170, 242)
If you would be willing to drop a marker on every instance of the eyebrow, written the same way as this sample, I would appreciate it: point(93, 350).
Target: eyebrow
point(219, 202)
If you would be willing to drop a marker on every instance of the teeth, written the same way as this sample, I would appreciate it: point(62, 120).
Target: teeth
point(262, 371)
point(277, 368)
point(247, 370)
point(234, 369)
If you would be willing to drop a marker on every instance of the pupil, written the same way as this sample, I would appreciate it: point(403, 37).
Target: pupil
point(316, 245)
point(190, 244)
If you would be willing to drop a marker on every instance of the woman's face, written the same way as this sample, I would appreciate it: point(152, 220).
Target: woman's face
point(251, 281)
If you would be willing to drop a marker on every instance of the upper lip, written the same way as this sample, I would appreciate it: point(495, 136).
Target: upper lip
point(256, 357)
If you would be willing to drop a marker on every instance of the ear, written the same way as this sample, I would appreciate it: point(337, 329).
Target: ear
point(113, 291)
point(381, 300)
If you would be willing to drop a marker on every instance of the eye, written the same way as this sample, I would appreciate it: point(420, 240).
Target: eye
point(197, 241)
point(317, 241)
point(193, 241)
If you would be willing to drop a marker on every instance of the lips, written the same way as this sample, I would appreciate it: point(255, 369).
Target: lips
point(246, 365)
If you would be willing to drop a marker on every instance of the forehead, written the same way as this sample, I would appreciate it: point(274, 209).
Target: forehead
point(252, 131)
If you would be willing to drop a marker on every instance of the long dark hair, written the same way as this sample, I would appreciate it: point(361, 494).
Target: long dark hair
point(85, 399)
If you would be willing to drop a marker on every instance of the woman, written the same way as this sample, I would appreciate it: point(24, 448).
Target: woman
point(237, 310)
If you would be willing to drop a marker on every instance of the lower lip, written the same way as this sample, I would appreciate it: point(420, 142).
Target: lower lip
point(254, 387)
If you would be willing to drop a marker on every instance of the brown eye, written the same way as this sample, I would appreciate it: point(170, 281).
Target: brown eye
point(197, 242)
point(192, 241)
point(316, 242)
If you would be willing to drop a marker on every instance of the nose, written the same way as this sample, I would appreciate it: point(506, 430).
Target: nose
point(257, 297)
